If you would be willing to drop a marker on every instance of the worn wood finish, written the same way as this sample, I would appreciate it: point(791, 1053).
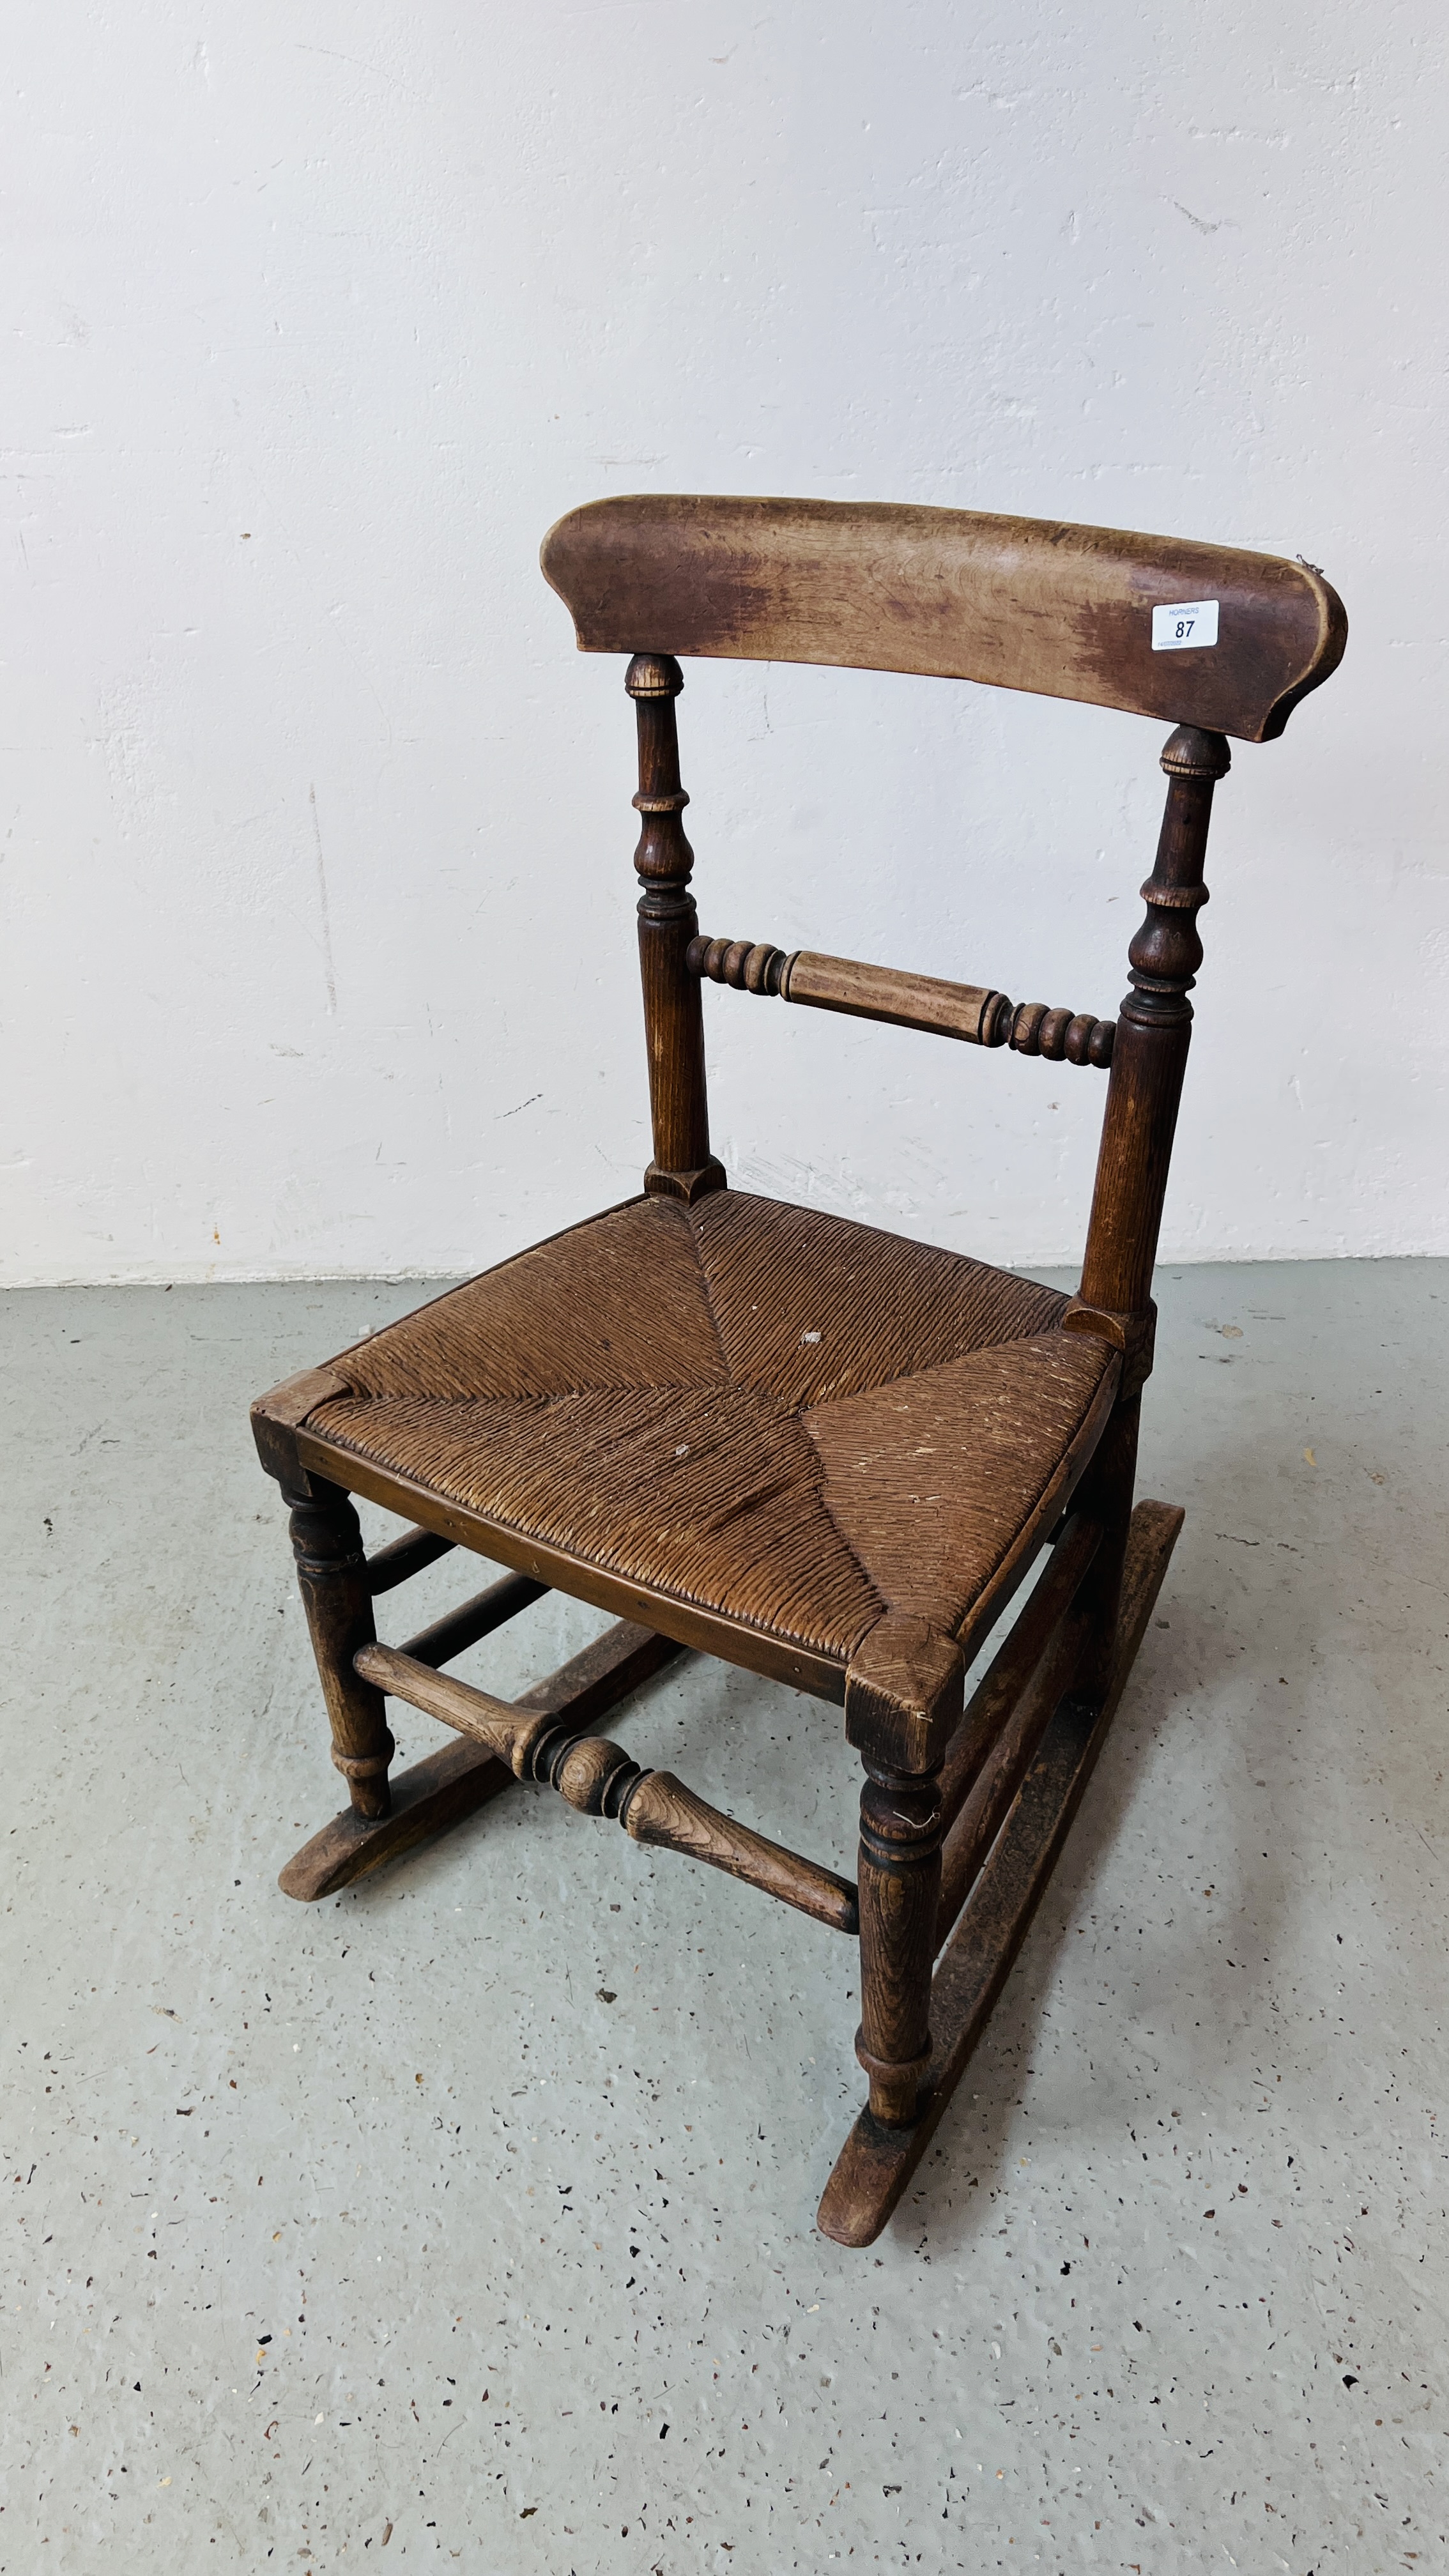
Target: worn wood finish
point(824, 1453)
point(512, 1733)
point(1011, 1668)
point(746, 1390)
point(600, 1675)
point(600, 1778)
point(1154, 1028)
point(975, 1013)
point(1110, 1484)
point(404, 1557)
point(458, 1629)
point(900, 1887)
point(1019, 603)
point(433, 1795)
point(878, 2159)
point(683, 1166)
point(1063, 1037)
point(967, 1011)
point(983, 1810)
point(663, 1811)
point(903, 1696)
point(426, 1800)
point(332, 1579)
point(1154, 1031)
point(560, 1569)
point(1058, 1496)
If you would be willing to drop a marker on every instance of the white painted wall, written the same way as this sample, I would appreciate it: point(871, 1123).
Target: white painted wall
point(317, 938)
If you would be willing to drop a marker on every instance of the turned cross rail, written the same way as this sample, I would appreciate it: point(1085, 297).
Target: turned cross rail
point(600, 1779)
point(975, 1013)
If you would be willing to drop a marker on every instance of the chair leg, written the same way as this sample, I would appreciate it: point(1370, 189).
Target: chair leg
point(880, 2155)
point(332, 1579)
point(900, 1888)
point(1107, 1494)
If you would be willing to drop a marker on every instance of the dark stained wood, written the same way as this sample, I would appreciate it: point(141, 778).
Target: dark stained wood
point(975, 1013)
point(599, 1778)
point(1011, 1668)
point(900, 1886)
point(984, 1808)
point(1056, 1497)
point(903, 1693)
point(903, 1697)
point(433, 1795)
point(559, 1570)
point(277, 1416)
point(1063, 1037)
point(427, 1799)
point(332, 1579)
point(683, 1166)
point(747, 966)
point(458, 1629)
point(880, 586)
point(1154, 1027)
point(824, 1453)
point(599, 1676)
point(402, 1558)
point(878, 2160)
point(1154, 1030)
point(663, 1811)
point(510, 1731)
point(1107, 1493)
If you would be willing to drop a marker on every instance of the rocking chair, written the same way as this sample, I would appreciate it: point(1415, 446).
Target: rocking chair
point(822, 1452)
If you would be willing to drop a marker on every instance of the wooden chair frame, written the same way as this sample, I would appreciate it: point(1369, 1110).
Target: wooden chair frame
point(965, 1806)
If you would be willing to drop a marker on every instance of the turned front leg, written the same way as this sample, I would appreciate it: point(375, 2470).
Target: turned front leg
point(900, 1891)
point(332, 1578)
point(903, 1698)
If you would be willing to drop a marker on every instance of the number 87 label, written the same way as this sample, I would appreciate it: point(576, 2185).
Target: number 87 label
point(1185, 629)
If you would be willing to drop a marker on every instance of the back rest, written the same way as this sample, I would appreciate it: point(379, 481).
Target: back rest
point(1208, 638)
point(1096, 614)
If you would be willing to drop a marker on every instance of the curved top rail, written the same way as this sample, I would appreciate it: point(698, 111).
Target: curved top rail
point(1064, 611)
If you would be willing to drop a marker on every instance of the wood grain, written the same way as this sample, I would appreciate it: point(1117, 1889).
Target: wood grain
point(900, 1883)
point(544, 1742)
point(683, 1166)
point(663, 1811)
point(971, 1012)
point(1018, 603)
point(433, 1795)
point(1016, 1659)
point(984, 1809)
point(878, 2160)
point(976, 1013)
point(332, 1579)
point(427, 1799)
point(1154, 1027)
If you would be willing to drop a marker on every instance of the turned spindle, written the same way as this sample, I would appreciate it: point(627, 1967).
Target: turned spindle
point(903, 1704)
point(683, 1166)
point(899, 1879)
point(1063, 1037)
point(1149, 1057)
point(337, 1596)
point(975, 1012)
point(1154, 1028)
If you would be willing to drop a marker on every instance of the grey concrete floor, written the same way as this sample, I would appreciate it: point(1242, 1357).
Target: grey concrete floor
point(468, 2216)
